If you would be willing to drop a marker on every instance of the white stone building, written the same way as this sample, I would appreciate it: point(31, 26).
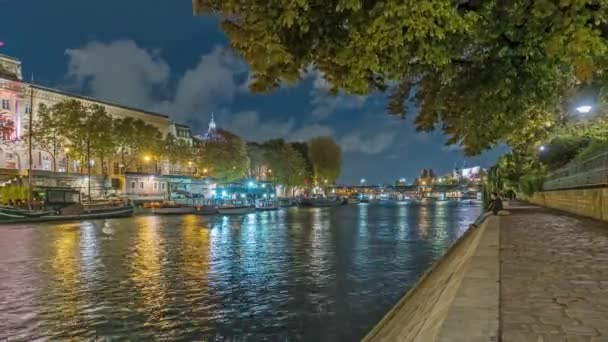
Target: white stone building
point(19, 100)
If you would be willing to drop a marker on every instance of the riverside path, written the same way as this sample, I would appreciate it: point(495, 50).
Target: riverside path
point(553, 276)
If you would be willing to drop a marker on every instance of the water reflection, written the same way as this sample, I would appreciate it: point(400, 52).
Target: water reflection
point(316, 274)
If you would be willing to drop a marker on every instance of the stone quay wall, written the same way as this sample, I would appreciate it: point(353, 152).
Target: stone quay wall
point(585, 202)
point(457, 299)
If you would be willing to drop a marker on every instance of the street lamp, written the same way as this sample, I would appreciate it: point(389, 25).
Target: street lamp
point(542, 148)
point(584, 109)
point(362, 181)
point(146, 158)
point(67, 159)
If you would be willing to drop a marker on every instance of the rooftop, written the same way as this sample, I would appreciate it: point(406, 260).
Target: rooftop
point(11, 58)
point(61, 92)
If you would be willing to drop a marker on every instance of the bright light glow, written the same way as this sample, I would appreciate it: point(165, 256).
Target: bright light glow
point(271, 195)
point(151, 177)
point(224, 193)
point(584, 109)
point(333, 191)
point(146, 158)
point(66, 150)
point(265, 196)
point(263, 185)
point(205, 170)
point(250, 184)
point(542, 148)
point(243, 195)
point(213, 192)
point(362, 180)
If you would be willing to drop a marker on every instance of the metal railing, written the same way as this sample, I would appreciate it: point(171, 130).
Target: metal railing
point(590, 172)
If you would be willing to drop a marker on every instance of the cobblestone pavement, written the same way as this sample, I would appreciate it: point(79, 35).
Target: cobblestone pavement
point(554, 277)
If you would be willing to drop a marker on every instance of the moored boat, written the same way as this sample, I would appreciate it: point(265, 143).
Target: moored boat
point(320, 202)
point(205, 210)
point(353, 200)
point(235, 210)
point(173, 210)
point(32, 217)
point(266, 205)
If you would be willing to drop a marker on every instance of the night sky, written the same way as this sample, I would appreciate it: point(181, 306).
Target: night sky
point(156, 55)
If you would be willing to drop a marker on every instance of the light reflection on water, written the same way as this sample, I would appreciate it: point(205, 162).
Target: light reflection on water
point(318, 274)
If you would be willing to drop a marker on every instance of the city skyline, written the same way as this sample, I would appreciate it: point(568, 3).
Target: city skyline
point(184, 68)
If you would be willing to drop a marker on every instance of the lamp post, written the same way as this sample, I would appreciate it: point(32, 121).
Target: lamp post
point(67, 159)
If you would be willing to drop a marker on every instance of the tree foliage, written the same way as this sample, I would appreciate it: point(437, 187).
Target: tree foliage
point(326, 157)
point(287, 164)
point(225, 159)
point(48, 131)
point(177, 151)
point(134, 138)
point(484, 72)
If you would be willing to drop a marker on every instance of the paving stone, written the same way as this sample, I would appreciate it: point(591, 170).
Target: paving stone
point(554, 282)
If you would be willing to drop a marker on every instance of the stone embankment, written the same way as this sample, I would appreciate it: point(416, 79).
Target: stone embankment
point(457, 299)
point(535, 275)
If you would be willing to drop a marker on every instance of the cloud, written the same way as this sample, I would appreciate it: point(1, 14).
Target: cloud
point(356, 142)
point(249, 126)
point(252, 127)
point(325, 104)
point(125, 73)
point(119, 71)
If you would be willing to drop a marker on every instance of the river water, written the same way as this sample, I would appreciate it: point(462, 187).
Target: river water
point(297, 274)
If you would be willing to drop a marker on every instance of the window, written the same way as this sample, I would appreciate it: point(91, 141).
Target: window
point(141, 185)
point(28, 109)
point(132, 185)
point(162, 186)
point(155, 186)
point(9, 155)
point(6, 104)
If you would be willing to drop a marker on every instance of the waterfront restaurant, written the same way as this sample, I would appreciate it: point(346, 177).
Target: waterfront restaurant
point(245, 189)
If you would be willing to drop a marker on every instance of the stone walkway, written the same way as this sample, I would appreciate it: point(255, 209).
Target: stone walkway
point(554, 277)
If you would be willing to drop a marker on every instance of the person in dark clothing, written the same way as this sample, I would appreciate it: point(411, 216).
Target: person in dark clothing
point(496, 204)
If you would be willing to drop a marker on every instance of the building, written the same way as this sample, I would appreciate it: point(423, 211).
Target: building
point(212, 133)
point(19, 103)
point(19, 100)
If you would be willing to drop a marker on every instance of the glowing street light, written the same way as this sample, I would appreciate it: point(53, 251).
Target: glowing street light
point(147, 158)
point(250, 184)
point(584, 109)
point(362, 181)
point(542, 148)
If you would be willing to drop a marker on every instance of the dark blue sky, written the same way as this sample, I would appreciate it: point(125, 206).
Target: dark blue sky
point(156, 55)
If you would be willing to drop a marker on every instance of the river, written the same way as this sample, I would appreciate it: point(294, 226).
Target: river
point(297, 274)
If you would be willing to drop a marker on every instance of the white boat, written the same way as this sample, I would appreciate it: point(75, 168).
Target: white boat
point(176, 210)
point(266, 205)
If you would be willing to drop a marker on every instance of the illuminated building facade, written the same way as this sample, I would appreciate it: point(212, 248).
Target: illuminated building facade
point(19, 100)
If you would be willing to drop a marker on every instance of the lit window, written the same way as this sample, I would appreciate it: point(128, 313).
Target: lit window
point(6, 104)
